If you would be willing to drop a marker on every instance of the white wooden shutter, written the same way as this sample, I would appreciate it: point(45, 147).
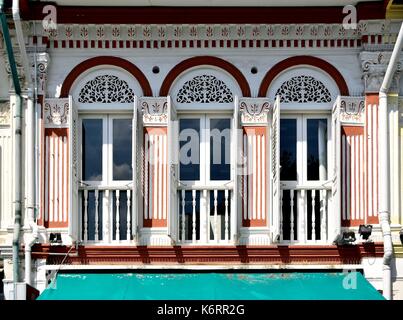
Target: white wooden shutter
point(275, 163)
point(336, 179)
point(73, 172)
point(137, 143)
point(173, 163)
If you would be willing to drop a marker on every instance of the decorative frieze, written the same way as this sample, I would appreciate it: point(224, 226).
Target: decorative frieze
point(254, 111)
point(56, 113)
point(5, 113)
point(352, 110)
point(214, 35)
point(155, 111)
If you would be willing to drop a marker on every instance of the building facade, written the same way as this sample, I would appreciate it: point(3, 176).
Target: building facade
point(207, 137)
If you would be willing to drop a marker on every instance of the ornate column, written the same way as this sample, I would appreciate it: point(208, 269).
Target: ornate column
point(155, 173)
point(374, 66)
point(254, 114)
point(352, 165)
point(56, 167)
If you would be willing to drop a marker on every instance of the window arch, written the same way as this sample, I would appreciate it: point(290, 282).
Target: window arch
point(304, 87)
point(105, 87)
point(203, 88)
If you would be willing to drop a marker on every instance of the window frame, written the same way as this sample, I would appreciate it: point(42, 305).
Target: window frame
point(107, 148)
point(302, 148)
point(205, 148)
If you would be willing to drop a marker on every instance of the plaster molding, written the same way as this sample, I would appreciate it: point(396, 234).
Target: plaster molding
point(155, 111)
point(352, 110)
point(374, 65)
point(254, 111)
point(56, 113)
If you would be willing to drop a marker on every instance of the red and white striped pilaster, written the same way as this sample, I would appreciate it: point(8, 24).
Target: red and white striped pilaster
point(155, 176)
point(255, 186)
point(353, 164)
point(54, 213)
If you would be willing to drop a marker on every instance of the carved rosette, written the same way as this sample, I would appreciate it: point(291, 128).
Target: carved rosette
point(155, 111)
point(5, 113)
point(374, 65)
point(254, 111)
point(352, 110)
point(56, 113)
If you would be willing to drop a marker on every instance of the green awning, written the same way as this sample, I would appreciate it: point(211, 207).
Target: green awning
point(211, 286)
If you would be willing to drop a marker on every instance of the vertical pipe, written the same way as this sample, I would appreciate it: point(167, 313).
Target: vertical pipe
point(384, 169)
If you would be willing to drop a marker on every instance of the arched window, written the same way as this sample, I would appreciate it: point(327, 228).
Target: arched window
point(104, 97)
point(307, 95)
point(204, 98)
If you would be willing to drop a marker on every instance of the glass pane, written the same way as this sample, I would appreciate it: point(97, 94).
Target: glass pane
point(220, 149)
point(122, 149)
point(189, 149)
point(288, 149)
point(317, 149)
point(92, 149)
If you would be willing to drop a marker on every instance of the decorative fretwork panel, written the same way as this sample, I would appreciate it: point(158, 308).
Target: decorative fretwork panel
point(205, 89)
point(106, 89)
point(304, 89)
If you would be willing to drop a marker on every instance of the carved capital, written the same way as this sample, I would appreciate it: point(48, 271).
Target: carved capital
point(374, 65)
point(155, 111)
point(42, 63)
point(5, 113)
point(352, 110)
point(56, 113)
point(20, 69)
point(254, 111)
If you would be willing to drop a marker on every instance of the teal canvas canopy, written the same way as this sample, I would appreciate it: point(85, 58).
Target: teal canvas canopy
point(211, 286)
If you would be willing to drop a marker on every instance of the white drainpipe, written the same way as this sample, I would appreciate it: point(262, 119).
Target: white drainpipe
point(384, 167)
point(30, 149)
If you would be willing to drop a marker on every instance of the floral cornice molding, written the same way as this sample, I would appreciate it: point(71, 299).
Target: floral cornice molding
point(212, 31)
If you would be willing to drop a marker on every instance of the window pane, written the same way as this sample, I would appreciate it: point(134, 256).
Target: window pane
point(317, 149)
point(288, 149)
point(189, 149)
point(220, 149)
point(122, 149)
point(92, 149)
